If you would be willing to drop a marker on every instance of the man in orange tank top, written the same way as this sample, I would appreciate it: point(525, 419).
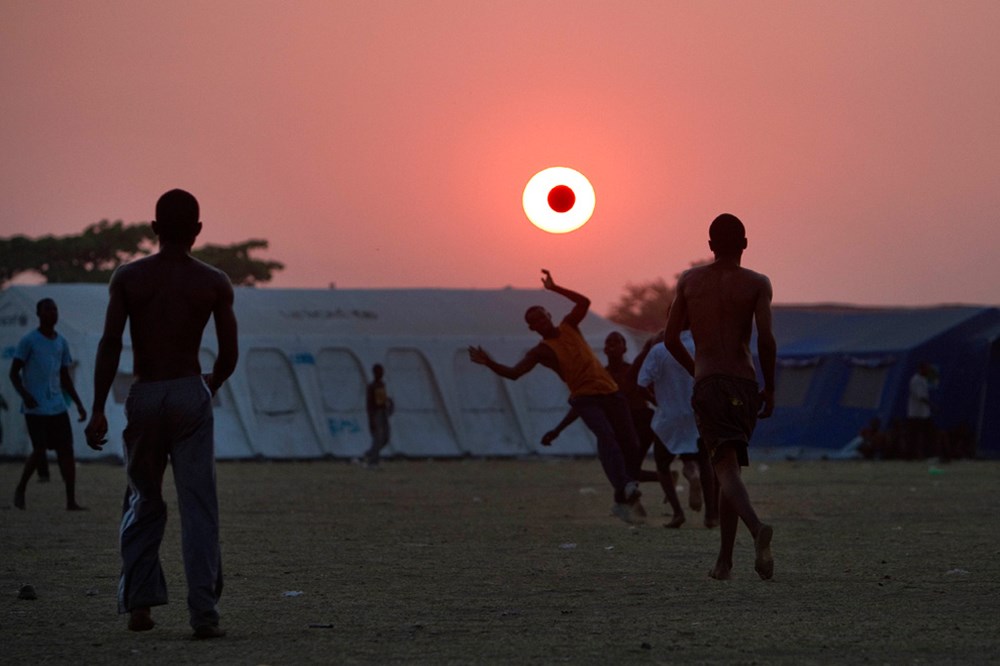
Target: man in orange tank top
point(594, 395)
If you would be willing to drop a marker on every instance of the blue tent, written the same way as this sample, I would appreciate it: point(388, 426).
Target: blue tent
point(839, 366)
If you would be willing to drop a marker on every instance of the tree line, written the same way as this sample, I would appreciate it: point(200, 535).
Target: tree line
point(92, 256)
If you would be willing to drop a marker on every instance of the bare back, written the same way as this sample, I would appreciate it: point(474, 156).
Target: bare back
point(720, 301)
point(168, 301)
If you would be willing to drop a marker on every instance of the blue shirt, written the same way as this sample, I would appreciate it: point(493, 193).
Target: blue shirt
point(43, 359)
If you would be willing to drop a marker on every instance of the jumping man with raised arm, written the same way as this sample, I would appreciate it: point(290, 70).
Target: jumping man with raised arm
point(594, 395)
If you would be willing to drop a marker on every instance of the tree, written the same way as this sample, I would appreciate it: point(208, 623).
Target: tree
point(93, 255)
point(644, 306)
point(236, 262)
point(88, 257)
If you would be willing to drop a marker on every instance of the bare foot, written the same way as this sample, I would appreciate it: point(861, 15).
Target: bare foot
point(140, 619)
point(19, 499)
point(677, 521)
point(721, 571)
point(764, 563)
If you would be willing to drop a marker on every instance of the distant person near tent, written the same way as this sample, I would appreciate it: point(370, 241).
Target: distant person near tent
point(379, 406)
point(720, 302)
point(167, 299)
point(920, 431)
point(872, 442)
point(40, 375)
point(593, 393)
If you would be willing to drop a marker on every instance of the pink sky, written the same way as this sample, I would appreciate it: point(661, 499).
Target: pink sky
point(386, 143)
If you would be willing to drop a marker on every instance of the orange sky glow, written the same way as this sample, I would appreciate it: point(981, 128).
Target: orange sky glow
point(386, 144)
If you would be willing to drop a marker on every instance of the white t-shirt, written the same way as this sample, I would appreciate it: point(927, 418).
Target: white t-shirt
point(673, 421)
point(919, 406)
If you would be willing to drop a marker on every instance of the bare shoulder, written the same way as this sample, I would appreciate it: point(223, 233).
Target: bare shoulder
point(692, 275)
point(695, 271)
point(754, 275)
point(760, 280)
point(133, 269)
point(210, 272)
point(214, 280)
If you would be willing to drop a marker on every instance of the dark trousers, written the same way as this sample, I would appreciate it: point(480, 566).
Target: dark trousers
point(609, 418)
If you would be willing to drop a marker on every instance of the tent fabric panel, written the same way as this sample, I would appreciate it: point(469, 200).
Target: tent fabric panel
point(282, 425)
point(231, 440)
point(488, 417)
point(342, 386)
point(420, 424)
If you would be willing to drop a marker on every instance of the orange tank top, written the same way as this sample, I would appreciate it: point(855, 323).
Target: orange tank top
point(579, 367)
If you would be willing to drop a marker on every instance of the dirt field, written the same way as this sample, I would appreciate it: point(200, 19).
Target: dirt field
point(500, 561)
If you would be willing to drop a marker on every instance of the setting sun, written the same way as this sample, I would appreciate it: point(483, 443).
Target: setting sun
point(558, 200)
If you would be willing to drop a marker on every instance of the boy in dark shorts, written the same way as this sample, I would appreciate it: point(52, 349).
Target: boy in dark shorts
point(721, 302)
point(726, 410)
point(40, 375)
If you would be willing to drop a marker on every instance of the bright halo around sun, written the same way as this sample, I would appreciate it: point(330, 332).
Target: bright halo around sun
point(558, 200)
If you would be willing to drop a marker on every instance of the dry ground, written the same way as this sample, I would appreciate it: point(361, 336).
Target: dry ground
point(504, 561)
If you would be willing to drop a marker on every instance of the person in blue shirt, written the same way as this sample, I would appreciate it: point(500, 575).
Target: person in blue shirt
point(40, 375)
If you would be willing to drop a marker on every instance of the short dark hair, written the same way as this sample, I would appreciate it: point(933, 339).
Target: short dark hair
point(44, 301)
point(532, 309)
point(727, 233)
point(177, 214)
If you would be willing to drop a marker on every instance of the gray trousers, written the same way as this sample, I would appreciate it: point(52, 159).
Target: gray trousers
point(170, 420)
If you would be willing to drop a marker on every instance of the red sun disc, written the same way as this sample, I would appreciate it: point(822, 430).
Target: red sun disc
point(561, 198)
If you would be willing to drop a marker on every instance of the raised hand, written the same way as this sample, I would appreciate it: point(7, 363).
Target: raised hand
point(547, 281)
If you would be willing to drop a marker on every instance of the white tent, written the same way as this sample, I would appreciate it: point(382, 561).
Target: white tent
point(306, 356)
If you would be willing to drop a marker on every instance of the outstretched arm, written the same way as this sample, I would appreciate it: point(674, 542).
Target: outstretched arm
point(479, 356)
point(551, 435)
point(581, 304)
